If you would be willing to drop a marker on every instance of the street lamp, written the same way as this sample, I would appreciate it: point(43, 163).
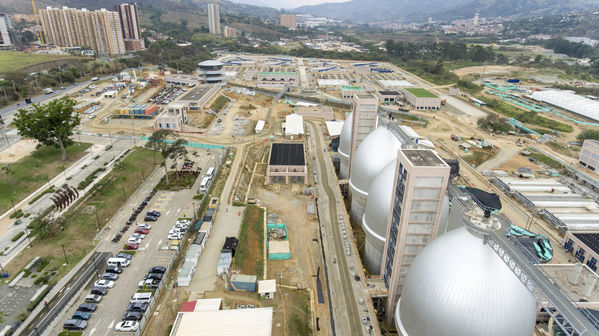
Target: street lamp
point(65, 255)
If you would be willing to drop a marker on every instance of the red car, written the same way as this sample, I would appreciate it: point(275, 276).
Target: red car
point(131, 246)
point(142, 231)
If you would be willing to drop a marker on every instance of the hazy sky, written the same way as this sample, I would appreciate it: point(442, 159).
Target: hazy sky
point(285, 3)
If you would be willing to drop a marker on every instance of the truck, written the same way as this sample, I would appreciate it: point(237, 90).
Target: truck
point(94, 79)
point(48, 91)
point(28, 101)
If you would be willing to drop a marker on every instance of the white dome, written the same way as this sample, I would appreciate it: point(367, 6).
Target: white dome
point(374, 153)
point(345, 137)
point(378, 204)
point(458, 286)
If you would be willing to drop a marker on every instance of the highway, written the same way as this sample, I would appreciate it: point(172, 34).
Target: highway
point(57, 304)
point(330, 222)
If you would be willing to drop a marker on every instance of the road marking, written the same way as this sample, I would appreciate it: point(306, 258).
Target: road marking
point(168, 212)
point(92, 331)
point(111, 324)
point(178, 210)
point(159, 242)
point(146, 247)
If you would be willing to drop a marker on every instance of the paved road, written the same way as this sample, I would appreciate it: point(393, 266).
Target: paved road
point(56, 304)
point(348, 318)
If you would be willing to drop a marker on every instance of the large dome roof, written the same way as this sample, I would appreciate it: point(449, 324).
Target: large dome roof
point(378, 204)
point(458, 286)
point(345, 137)
point(374, 153)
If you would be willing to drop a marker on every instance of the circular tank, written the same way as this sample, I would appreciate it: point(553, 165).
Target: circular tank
point(378, 149)
point(376, 217)
point(345, 147)
point(458, 286)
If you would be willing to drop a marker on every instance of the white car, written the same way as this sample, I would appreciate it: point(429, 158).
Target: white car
point(184, 221)
point(144, 226)
point(127, 326)
point(134, 240)
point(174, 231)
point(104, 283)
point(175, 236)
point(92, 116)
point(138, 235)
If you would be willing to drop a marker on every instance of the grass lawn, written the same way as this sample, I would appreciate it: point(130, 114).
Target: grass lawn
point(249, 257)
point(81, 226)
point(14, 61)
point(476, 158)
point(19, 179)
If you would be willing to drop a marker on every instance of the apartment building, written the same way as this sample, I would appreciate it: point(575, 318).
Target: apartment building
point(129, 19)
point(289, 21)
point(214, 18)
point(69, 27)
point(5, 27)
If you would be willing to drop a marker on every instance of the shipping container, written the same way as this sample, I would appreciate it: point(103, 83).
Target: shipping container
point(243, 283)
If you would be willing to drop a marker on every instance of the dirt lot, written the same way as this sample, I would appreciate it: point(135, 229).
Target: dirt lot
point(489, 70)
point(17, 151)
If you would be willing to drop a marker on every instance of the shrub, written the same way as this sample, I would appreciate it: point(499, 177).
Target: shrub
point(90, 178)
point(37, 300)
point(17, 236)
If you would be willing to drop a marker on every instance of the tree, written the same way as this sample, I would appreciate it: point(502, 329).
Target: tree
point(51, 124)
point(158, 141)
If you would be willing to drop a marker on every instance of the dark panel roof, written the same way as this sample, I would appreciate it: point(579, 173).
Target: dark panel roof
point(489, 200)
point(287, 154)
point(389, 93)
point(589, 239)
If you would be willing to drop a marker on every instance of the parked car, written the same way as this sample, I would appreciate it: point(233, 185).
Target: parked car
point(157, 269)
point(104, 283)
point(144, 226)
point(127, 326)
point(142, 231)
point(131, 246)
point(93, 298)
point(132, 316)
point(174, 236)
point(114, 269)
point(124, 255)
point(154, 276)
point(134, 240)
point(149, 284)
point(151, 218)
point(153, 213)
point(109, 276)
point(138, 235)
point(87, 307)
point(99, 290)
point(75, 324)
point(184, 221)
point(79, 315)
point(140, 307)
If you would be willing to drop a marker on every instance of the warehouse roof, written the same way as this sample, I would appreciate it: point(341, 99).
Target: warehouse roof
point(420, 93)
point(352, 88)
point(238, 322)
point(287, 154)
point(277, 73)
point(394, 83)
point(589, 239)
point(569, 101)
point(196, 93)
point(334, 127)
point(294, 124)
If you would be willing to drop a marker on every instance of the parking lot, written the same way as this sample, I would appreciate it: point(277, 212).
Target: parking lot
point(152, 251)
point(166, 95)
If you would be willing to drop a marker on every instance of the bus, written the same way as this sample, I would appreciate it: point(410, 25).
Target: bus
point(210, 172)
point(204, 184)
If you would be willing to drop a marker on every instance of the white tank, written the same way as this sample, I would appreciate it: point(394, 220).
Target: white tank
point(458, 286)
point(345, 147)
point(376, 217)
point(378, 149)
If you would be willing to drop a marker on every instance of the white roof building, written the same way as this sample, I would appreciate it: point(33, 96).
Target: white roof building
point(238, 322)
point(570, 101)
point(267, 286)
point(334, 127)
point(259, 126)
point(294, 125)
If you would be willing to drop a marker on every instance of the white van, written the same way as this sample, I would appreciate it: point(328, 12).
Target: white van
point(141, 298)
point(204, 184)
point(118, 262)
point(210, 172)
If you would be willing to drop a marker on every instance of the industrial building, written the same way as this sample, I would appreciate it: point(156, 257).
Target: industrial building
point(214, 18)
point(348, 91)
point(394, 84)
point(69, 27)
point(331, 84)
point(289, 21)
point(589, 154)
point(267, 289)
point(418, 200)
point(247, 322)
point(584, 246)
point(569, 101)
point(173, 118)
point(374, 153)
point(557, 203)
point(198, 97)
point(277, 79)
point(211, 72)
point(388, 97)
point(364, 121)
point(136, 111)
point(421, 99)
point(287, 164)
point(294, 127)
point(458, 269)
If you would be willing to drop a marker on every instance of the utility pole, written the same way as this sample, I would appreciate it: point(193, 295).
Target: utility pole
point(28, 238)
point(97, 220)
point(65, 255)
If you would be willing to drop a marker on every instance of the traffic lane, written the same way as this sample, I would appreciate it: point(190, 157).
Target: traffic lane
point(113, 305)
